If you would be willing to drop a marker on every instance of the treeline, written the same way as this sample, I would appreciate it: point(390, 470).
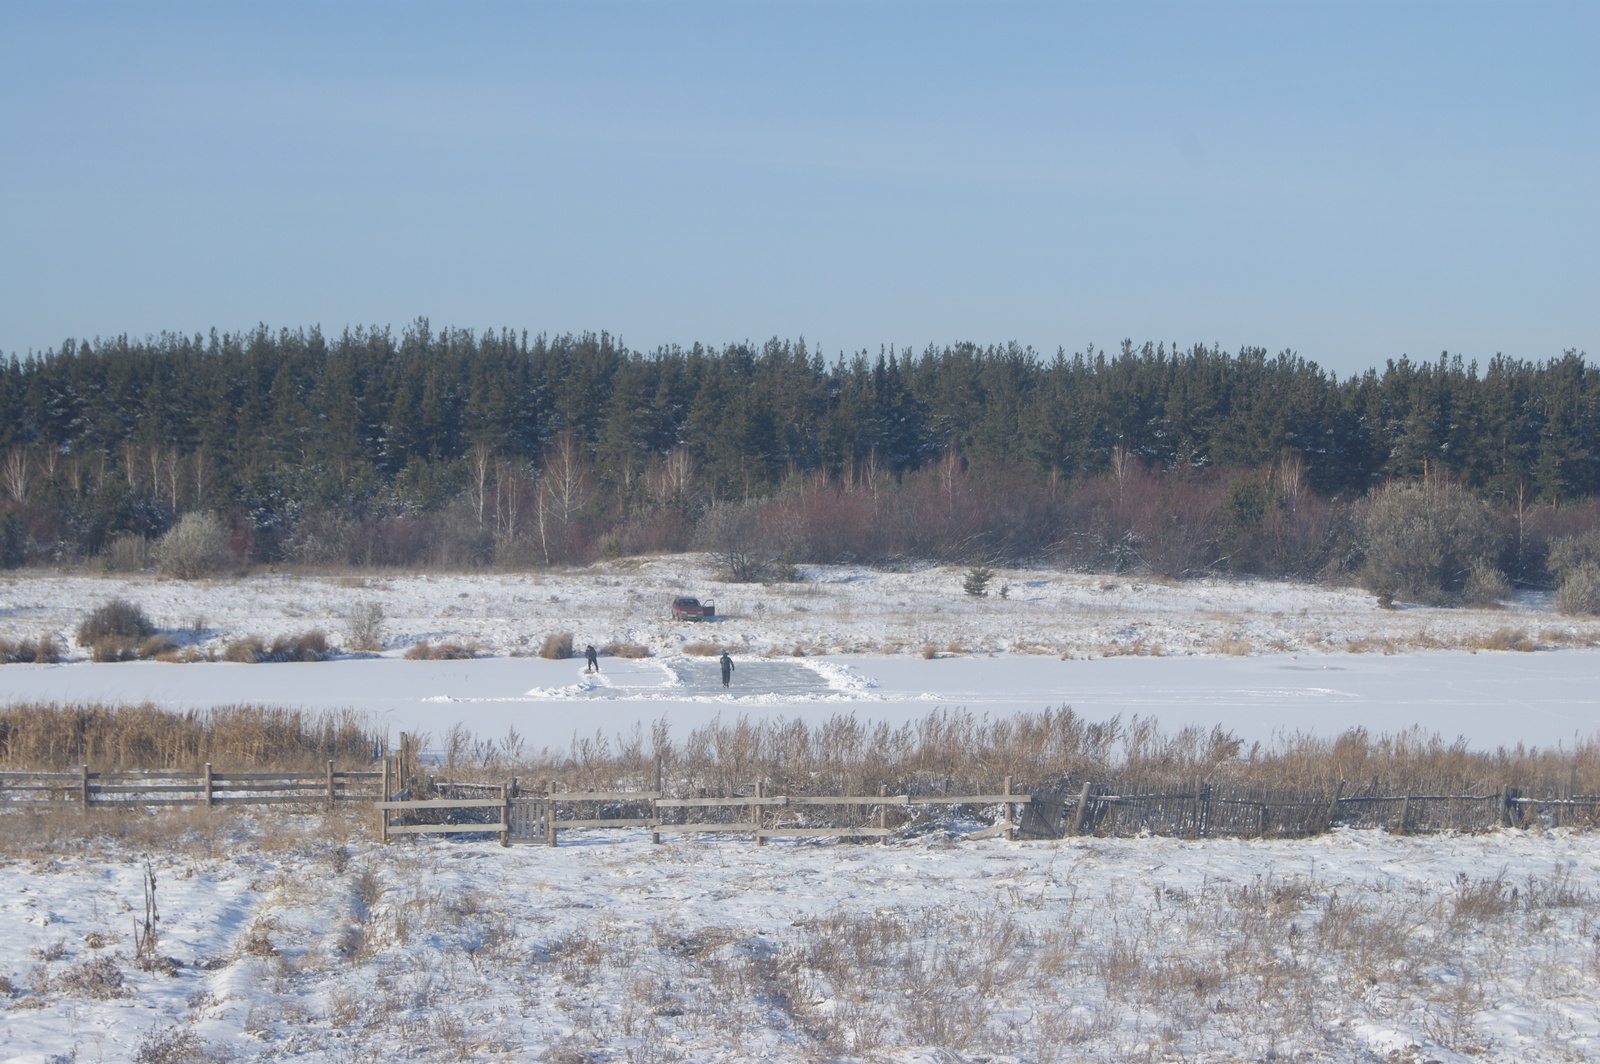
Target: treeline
point(456, 448)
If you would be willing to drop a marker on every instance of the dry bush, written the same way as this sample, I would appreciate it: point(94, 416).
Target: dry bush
point(703, 649)
point(40, 651)
point(1369, 645)
point(736, 535)
point(364, 627)
point(556, 647)
point(429, 651)
point(98, 978)
point(157, 645)
point(196, 546)
point(174, 1045)
point(929, 651)
point(245, 651)
point(113, 649)
point(624, 650)
point(1230, 643)
point(184, 655)
point(128, 552)
point(1501, 639)
point(253, 650)
point(118, 619)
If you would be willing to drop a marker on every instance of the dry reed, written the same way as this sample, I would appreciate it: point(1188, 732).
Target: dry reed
point(49, 736)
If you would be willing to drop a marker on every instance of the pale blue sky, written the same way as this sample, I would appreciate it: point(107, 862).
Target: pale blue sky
point(1352, 181)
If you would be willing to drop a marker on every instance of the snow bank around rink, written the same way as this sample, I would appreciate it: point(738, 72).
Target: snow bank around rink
point(328, 952)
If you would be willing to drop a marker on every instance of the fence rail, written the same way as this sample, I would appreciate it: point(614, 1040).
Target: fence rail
point(170, 787)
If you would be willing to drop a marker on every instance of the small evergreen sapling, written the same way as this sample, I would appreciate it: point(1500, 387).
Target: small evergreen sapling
point(977, 579)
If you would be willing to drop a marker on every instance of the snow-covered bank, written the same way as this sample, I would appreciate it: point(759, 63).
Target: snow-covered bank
point(1355, 946)
point(837, 610)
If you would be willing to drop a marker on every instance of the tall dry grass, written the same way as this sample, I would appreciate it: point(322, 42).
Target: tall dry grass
point(1057, 750)
point(50, 736)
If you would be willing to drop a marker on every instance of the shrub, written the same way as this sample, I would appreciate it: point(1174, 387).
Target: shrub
point(117, 619)
point(977, 579)
point(364, 626)
point(246, 651)
point(127, 552)
point(426, 651)
point(1502, 639)
point(557, 646)
point(308, 646)
point(41, 651)
point(157, 644)
point(1579, 593)
point(1568, 554)
point(253, 650)
point(624, 650)
point(196, 546)
point(733, 534)
point(97, 978)
point(1486, 585)
point(1424, 540)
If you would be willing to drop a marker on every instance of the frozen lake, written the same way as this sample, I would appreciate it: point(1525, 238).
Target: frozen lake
point(1492, 699)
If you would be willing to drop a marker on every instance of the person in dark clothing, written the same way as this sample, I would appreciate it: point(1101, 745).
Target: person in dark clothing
point(727, 669)
point(594, 659)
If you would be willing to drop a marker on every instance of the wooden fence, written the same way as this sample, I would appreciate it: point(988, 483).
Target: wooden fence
point(538, 817)
point(34, 790)
point(1202, 810)
point(1125, 807)
point(1205, 810)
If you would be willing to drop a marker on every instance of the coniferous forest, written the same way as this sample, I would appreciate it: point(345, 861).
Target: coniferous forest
point(459, 449)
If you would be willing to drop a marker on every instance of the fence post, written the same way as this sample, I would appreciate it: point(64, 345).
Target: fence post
point(1333, 807)
point(655, 807)
point(883, 813)
point(1405, 811)
point(755, 814)
point(550, 813)
point(83, 787)
point(1011, 830)
point(383, 796)
point(506, 790)
point(330, 784)
point(209, 799)
point(1080, 815)
point(1505, 806)
point(1202, 809)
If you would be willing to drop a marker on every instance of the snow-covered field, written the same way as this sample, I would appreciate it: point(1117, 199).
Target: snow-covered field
point(1355, 946)
point(297, 939)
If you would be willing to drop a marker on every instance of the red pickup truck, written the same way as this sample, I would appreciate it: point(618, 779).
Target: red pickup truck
point(691, 609)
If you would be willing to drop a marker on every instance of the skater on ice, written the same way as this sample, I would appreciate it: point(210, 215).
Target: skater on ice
point(594, 659)
point(727, 669)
